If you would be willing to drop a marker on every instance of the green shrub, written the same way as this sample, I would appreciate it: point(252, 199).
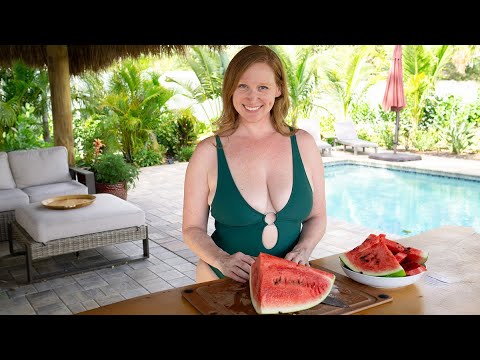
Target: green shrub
point(185, 153)
point(112, 169)
point(150, 157)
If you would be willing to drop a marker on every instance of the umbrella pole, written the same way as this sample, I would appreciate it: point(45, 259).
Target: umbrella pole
point(397, 126)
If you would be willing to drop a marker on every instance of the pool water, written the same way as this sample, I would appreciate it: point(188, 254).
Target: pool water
point(400, 202)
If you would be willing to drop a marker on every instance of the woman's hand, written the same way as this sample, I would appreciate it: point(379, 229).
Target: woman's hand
point(236, 266)
point(300, 256)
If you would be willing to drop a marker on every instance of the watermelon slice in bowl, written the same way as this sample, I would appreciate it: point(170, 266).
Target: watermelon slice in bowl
point(383, 263)
point(384, 282)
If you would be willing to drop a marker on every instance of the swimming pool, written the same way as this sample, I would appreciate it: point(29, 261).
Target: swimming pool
point(400, 202)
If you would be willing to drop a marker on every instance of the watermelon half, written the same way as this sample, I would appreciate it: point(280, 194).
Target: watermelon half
point(282, 286)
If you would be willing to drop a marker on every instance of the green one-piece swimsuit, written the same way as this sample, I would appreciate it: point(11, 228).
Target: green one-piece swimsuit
point(239, 227)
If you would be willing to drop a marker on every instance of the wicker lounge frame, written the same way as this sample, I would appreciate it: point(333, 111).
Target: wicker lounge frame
point(37, 250)
point(5, 218)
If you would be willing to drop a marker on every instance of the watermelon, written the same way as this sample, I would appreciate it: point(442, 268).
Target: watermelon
point(415, 255)
point(282, 286)
point(393, 246)
point(413, 268)
point(375, 260)
point(379, 256)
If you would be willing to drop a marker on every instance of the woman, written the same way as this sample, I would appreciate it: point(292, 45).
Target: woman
point(262, 180)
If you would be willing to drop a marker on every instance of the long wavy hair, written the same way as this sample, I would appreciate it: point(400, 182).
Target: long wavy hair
point(228, 122)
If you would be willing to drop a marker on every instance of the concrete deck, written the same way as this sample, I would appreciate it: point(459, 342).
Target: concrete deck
point(159, 192)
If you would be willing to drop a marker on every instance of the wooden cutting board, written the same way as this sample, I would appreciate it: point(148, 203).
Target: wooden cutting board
point(229, 297)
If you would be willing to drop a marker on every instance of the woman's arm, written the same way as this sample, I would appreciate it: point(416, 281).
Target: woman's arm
point(195, 216)
point(315, 225)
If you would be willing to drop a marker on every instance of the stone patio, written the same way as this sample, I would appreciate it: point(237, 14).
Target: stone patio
point(159, 192)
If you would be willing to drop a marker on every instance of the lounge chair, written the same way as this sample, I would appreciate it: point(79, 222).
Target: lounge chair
point(313, 127)
point(346, 135)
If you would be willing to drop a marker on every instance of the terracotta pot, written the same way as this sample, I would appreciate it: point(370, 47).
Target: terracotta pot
point(118, 189)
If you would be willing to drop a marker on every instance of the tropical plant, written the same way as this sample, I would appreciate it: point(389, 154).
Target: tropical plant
point(134, 102)
point(302, 78)
point(21, 85)
point(110, 168)
point(459, 134)
point(209, 68)
point(347, 75)
point(421, 68)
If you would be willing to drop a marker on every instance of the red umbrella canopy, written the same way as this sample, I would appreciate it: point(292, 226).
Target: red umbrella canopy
point(394, 98)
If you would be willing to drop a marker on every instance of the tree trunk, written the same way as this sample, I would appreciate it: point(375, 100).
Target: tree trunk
point(46, 129)
point(59, 77)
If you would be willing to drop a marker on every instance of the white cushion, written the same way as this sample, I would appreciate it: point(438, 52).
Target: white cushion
point(6, 178)
point(42, 192)
point(107, 212)
point(39, 166)
point(12, 198)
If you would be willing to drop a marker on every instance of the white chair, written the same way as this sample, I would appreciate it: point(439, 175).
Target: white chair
point(313, 127)
point(346, 135)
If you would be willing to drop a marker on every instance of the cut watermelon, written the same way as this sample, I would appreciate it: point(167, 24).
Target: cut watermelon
point(393, 246)
point(282, 286)
point(376, 260)
point(416, 255)
point(413, 268)
point(400, 256)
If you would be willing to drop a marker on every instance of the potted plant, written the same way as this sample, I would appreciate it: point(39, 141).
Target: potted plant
point(113, 174)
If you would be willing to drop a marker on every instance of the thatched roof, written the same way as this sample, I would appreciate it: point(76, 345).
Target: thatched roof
point(86, 57)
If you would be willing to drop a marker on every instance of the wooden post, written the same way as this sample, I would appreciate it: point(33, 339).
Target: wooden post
point(59, 77)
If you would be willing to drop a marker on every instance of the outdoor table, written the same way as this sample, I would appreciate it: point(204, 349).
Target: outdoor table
point(451, 286)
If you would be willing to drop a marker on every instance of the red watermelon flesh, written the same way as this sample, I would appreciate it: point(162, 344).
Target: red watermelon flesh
point(413, 268)
point(281, 286)
point(376, 260)
point(393, 246)
point(400, 256)
point(415, 255)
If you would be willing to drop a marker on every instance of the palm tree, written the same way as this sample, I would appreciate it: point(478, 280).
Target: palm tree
point(134, 102)
point(209, 68)
point(302, 79)
point(347, 73)
point(421, 68)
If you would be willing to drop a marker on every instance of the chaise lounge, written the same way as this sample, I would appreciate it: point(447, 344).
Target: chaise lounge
point(313, 127)
point(346, 135)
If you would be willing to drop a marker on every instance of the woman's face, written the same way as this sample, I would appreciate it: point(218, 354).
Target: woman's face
point(255, 93)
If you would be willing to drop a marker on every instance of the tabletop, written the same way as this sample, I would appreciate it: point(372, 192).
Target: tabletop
point(451, 285)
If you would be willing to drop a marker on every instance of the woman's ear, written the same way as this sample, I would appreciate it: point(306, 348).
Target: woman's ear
point(279, 92)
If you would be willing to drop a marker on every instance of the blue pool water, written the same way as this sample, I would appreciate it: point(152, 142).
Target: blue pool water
point(400, 202)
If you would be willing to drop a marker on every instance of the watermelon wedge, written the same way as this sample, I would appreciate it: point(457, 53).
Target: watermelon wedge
point(375, 260)
point(282, 286)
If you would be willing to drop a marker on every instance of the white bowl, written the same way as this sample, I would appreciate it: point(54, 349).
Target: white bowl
point(383, 282)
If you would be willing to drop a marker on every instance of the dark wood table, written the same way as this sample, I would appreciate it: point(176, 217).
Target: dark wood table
point(451, 286)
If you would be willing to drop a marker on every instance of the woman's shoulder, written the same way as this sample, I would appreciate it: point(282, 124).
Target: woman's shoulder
point(304, 137)
point(204, 154)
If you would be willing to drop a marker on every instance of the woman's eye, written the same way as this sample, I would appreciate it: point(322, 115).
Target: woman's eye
point(242, 86)
point(263, 87)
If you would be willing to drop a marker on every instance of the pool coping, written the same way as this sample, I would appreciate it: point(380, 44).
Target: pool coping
point(403, 167)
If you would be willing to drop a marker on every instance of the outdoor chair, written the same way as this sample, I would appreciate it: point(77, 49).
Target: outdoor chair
point(313, 127)
point(346, 135)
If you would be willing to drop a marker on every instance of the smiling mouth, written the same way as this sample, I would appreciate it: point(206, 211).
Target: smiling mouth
point(252, 108)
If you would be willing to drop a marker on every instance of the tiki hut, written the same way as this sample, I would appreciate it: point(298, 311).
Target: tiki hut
point(65, 60)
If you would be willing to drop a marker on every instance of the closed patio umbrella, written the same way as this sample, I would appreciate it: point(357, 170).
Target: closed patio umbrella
point(394, 98)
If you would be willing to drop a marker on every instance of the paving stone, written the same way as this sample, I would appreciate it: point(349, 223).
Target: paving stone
point(129, 294)
point(182, 281)
point(42, 299)
point(58, 308)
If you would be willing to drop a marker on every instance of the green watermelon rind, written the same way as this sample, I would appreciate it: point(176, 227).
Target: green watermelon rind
point(345, 262)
